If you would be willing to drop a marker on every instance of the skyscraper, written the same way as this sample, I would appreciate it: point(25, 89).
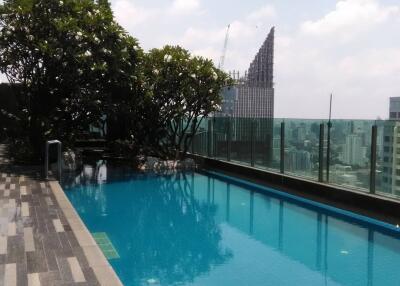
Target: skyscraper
point(250, 102)
point(253, 95)
point(391, 149)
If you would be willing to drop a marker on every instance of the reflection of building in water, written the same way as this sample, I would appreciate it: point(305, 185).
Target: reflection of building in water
point(268, 226)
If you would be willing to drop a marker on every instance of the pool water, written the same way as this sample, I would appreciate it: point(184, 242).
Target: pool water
point(208, 229)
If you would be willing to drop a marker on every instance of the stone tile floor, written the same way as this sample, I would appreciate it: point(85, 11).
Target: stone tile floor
point(37, 245)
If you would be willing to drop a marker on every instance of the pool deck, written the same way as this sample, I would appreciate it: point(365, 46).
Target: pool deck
point(42, 239)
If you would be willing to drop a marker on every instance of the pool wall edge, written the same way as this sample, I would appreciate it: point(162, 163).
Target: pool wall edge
point(102, 269)
point(377, 207)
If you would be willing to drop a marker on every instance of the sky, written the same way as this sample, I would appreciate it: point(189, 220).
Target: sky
point(350, 48)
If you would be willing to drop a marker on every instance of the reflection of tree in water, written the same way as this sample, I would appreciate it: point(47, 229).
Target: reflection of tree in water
point(175, 238)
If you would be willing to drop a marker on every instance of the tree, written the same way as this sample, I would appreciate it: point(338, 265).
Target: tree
point(68, 56)
point(182, 91)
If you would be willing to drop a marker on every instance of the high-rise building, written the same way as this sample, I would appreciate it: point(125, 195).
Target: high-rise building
point(253, 95)
point(394, 108)
point(391, 149)
point(353, 150)
point(250, 102)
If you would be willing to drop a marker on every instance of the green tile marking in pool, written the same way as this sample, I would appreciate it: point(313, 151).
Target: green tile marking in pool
point(105, 245)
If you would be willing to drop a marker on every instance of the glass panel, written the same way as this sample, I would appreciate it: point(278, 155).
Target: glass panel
point(388, 162)
point(263, 142)
point(221, 137)
point(200, 140)
point(302, 147)
point(350, 153)
point(241, 140)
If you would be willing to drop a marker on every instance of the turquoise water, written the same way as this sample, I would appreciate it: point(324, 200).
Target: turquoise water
point(202, 229)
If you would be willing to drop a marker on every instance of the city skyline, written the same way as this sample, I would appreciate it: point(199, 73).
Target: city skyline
point(322, 46)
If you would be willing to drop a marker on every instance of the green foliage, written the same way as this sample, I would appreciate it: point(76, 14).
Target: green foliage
point(68, 56)
point(75, 67)
point(183, 90)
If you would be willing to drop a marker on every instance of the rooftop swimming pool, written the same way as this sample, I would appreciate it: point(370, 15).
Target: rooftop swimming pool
point(205, 229)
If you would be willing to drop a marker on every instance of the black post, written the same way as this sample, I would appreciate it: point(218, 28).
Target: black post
point(372, 183)
point(209, 138)
point(192, 147)
point(328, 151)
point(214, 140)
point(282, 147)
point(328, 148)
point(321, 153)
point(229, 140)
point(252, 122)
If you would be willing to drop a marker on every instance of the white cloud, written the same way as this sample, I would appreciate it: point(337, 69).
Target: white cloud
point(185, 6)
point(350, 17)
point(268, 11)
point(246, 35)
point(130, 15)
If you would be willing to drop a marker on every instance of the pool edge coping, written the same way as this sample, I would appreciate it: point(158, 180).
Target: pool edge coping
point(102, 269)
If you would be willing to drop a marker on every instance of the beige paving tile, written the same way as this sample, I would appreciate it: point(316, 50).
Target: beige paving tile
point(10, 275)
point(3, 244)
point(6, 193)
point(94, 256)
point(2, 186)
point(23, 190)
point(22, 179)
point(57, 225)
point(11, 203)
point(96, 259)
point(8, 180)
point(33, 279)
point(49, 201)
point(24, 209)
point(28, 239)
point(106, 276)
point(12, 187)
point(12, 229)
point(70, 213)
point(84, 238)
point(76, 270)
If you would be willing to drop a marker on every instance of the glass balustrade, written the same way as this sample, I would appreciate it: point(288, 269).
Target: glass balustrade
point(347, 153)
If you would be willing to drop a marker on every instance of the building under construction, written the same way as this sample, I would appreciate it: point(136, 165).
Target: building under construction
point(248, 106)
point(253, 94)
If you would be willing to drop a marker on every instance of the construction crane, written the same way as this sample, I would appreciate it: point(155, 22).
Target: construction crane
point(222, 59)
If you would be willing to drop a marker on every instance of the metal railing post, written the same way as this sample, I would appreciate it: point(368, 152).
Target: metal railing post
point(215, 141)
point(46, 162)
point(321, 153)
point(59, 159)
point(229, 140)
point(192, 145)
point(282, 162)
point(328, 152)
point(252, 123)
point(372, 182)
point(209, 138)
